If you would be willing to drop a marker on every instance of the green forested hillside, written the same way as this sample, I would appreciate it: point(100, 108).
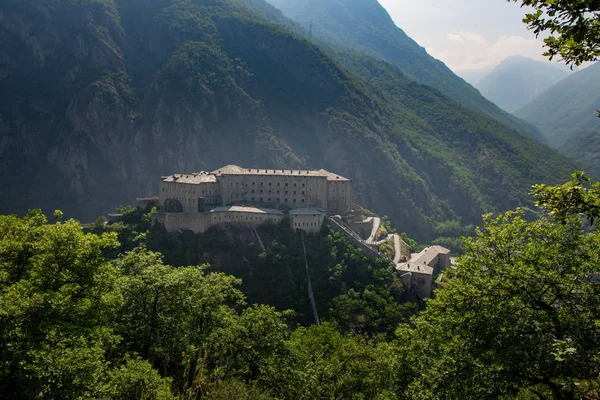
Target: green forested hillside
point(101, 97)
point(566, 115)
point(517, 81)
point(94, 313)
point(365, 26)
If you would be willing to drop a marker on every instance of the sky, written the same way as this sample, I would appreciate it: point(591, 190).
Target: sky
point(470, 36)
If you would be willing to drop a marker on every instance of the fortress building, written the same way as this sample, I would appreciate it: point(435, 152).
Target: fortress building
point(249, 195)
point(306, 199)
point(418, 273)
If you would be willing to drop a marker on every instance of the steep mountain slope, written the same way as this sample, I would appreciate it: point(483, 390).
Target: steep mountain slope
point(517, 80)
point(365, 26)
point(101, 97)
point(566, 114)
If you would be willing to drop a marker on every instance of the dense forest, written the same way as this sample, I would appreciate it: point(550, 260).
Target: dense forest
point(92, 312)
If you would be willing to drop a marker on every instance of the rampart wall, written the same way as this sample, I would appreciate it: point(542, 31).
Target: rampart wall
point(363, 228)
point(353, 238)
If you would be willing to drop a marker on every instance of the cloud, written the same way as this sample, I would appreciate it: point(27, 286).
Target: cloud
point(467, 37)
point(470, 36)
point(471, 54)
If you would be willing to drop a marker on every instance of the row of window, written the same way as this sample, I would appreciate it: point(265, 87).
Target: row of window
point(270, 184)
point(227, 217)
point(304, 224)
point(270, 199)
point(286, 192)
point(194, 192)
point(182, 221)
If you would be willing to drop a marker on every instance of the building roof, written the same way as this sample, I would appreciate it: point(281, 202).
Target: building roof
point(332, 177)
point(236, 170)
point(428, 255)
point(420, 262)
point(191, 179)
point(250, 210)
point(415, 268)
point(307, 211)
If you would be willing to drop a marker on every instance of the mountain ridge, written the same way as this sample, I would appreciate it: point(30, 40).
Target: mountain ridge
point(341, 23)
point(517, 81)
point(566, 114)
point(126, 91)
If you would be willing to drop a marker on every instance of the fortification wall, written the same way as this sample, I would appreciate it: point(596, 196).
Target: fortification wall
point(337, 226)
point(187, 193)
point(339, 197)
point(253, 219)
point(363, 228)
point(195, 222)
point(143, 203)
point(356, 215)
point(295, 191)
point(307, 223)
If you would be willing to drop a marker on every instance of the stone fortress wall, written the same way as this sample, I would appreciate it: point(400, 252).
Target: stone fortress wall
point(315, 193)
point(232, 185)
point(202, 221)
point(264, 186)
point(248, 215)
point(197, 222)
point(307, 219)
point(249, 196)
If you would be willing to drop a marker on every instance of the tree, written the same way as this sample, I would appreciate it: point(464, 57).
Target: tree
point(174, 317)
point(574, 27)
point(58, 299)
point(578, 197)
point(326, 364)
point(519, 316)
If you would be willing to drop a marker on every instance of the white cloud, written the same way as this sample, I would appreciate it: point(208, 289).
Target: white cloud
point(471, 54)
point(470, 36)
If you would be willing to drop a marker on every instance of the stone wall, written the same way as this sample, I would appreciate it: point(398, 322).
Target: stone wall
point(363, 228)
point(254, 219)
point(353, 238)
point(420, 284)
point(195, 222)
point(201, 222)
point(339, 197)
point(308, 223)
point(356, 215)
point(143, 203)
point(188, 194)
point(295, 191)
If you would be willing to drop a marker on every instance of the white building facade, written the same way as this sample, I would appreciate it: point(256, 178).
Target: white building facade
point(184, 197)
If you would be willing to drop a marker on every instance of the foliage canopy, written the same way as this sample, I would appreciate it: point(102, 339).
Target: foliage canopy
point(574, 28)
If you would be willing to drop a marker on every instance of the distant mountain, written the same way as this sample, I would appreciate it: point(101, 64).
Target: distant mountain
point(517, 80)
point(566, 115)
point(99, 98)
point(365, 26)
